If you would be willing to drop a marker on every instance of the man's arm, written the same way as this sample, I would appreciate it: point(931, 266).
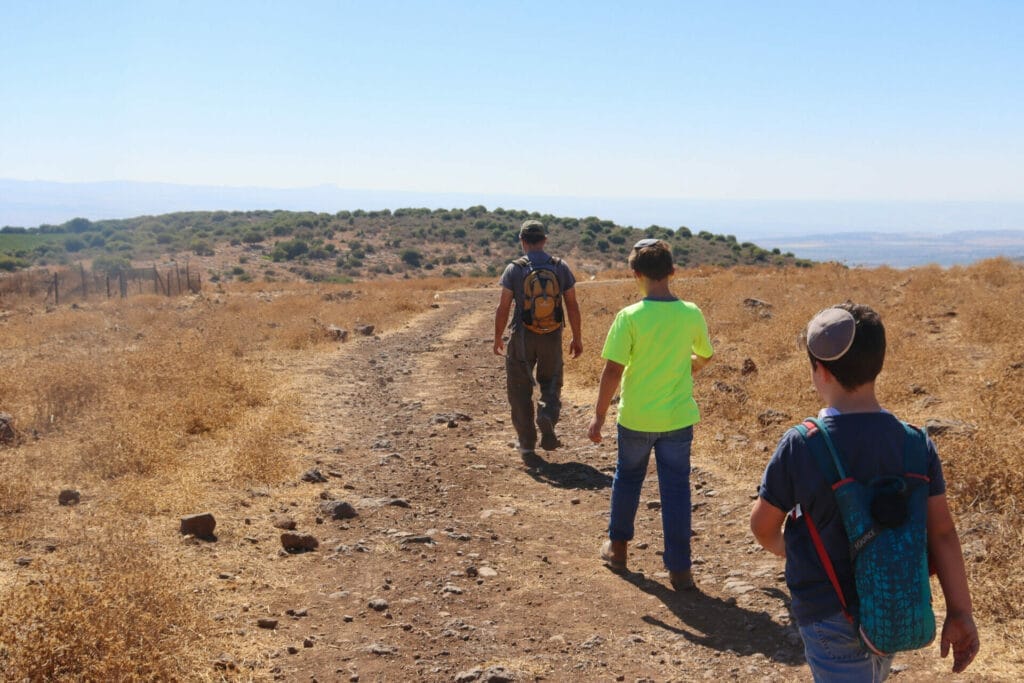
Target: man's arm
point(501, 320)
point(572, 309)
point(959, 629)
point(766, 523)
point(610, 378)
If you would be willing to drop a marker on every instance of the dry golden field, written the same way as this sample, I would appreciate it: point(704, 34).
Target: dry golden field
point(954, 354)
point(155, 408)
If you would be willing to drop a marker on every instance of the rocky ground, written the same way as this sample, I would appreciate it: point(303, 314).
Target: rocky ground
point(464, 563)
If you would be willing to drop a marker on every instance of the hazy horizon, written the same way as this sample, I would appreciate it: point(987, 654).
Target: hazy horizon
point(33, 203)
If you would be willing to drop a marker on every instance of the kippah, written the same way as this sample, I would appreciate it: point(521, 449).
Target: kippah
point(830, 334)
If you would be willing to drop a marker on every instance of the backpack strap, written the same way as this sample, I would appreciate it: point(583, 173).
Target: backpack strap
point(915, 464)
point(831, 467)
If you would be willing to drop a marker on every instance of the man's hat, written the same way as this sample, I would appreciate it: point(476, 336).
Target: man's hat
point(531, 228)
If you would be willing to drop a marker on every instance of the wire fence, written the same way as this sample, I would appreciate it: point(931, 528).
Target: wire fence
point(78, 284)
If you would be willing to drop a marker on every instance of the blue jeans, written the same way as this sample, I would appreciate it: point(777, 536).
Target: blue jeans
point(672, 455)
point(835, 654)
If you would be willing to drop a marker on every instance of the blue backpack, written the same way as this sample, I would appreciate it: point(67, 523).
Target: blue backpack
point(885, 521)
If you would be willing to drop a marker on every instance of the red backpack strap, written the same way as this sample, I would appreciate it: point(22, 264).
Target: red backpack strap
point(819, 546)
point(809, 429)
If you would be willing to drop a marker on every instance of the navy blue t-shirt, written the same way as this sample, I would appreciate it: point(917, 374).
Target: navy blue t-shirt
point(871, 445)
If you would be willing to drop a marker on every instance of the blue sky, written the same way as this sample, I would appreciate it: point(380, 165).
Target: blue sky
point(676, 100)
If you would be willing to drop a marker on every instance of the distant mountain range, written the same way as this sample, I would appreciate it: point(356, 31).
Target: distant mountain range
point(898, 234)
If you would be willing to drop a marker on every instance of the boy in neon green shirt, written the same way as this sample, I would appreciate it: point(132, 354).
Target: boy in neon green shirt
point(653, 348)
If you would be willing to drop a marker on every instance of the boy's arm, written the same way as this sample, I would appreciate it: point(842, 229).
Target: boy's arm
point(697, 363)
point(959, 630)
point(572, 309)
point(766, 523)
point(610, 377)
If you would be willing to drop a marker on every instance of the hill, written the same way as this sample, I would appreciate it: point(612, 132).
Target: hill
point(355, 244)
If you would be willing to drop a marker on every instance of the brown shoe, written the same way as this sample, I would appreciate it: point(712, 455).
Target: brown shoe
point(682, 581)
point(614, 554)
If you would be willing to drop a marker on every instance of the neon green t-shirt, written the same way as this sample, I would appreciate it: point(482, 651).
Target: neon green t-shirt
point(654, 340)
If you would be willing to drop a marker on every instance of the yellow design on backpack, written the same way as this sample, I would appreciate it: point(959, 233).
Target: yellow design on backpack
point(542, 297)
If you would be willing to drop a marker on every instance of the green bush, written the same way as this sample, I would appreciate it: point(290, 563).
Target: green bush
point(74, 244)
point(288, 251)
point(9, 263)
point(412, 257)
point(110, 264)
point(201, 247)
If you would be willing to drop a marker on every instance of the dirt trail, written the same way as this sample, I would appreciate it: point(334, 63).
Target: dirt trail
point(463, 557)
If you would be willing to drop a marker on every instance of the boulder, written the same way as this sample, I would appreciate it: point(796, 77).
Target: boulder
point(283, 522)
point(338, 509)
point(935, 426)
point(298, 543)
point(200, 525)
point(69, 497)
point(7, 433)
point(314, 476)
point(336, 333)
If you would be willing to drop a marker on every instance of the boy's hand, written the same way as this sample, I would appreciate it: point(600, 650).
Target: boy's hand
point(962, 634)
point(499, 346)
point(594, 430)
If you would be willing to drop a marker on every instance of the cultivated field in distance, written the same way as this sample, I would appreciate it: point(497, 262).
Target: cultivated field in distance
point(156, 407)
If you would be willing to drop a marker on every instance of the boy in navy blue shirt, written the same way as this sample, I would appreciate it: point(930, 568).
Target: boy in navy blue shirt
point(846, 347)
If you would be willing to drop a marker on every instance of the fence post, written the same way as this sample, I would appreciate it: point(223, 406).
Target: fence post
point(85, 292)
point(122, 281)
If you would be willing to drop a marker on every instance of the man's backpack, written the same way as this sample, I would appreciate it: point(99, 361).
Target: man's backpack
point(886, 524)
point(542, 296)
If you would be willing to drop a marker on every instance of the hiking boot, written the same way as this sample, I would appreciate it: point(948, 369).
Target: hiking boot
point(548, 440)
point(682, 581)
point(530, 458)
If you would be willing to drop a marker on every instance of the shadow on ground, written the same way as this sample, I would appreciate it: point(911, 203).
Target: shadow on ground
point(566, 475)
point(721, 625)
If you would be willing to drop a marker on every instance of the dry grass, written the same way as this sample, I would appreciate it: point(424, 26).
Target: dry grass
point(954, 353)
point(157, 407)
point(154, 408)
point(114, 615)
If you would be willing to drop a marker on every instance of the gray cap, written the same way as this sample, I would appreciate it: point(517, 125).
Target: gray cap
point(531, 228)
point(830, 334)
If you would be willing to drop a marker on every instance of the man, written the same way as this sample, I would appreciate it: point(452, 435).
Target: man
point(540, 285)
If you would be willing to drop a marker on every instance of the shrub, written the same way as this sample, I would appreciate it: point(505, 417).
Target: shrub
point(110, 264)
point(74, 244)
point(201, 247)
point(412, 257)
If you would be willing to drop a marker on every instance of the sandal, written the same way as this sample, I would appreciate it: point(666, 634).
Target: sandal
point(616, 561)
